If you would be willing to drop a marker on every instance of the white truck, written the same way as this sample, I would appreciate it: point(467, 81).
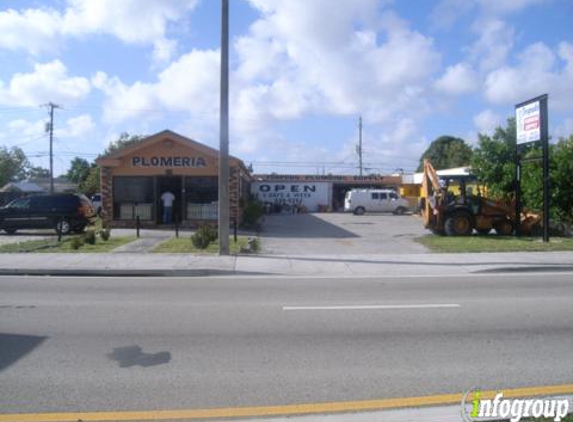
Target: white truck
point(359, 201)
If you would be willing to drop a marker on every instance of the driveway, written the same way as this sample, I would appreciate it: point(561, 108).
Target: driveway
point(337, 233)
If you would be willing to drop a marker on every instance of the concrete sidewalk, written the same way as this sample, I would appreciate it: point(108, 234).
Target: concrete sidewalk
point(382, 265)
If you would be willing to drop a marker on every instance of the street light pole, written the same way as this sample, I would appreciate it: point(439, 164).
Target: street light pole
point(224, 134)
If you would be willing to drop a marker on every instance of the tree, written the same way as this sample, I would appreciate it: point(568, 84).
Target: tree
point(90, 184)
point(561, 173)
point(79, 170)
point(13, 165)
point(447, 152)
point(37, 173)
point(493, 161)
point(125, 140)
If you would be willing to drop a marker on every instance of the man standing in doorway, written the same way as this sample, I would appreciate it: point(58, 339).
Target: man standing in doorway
point(167, 198)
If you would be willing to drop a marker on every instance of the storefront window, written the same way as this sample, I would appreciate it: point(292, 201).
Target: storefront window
point(132, 197)
point(201, 196)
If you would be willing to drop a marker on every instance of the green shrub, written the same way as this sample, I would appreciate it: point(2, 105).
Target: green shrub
point(90, 237)
point(203, 237)
point(76, 243)
point(255, 244)
point(105, 234)
point(252, 212)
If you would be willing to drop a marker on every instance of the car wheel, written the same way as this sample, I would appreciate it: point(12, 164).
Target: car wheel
point(10, 231)
point(459, 224)
point(63, 226)
point(400, 211)
point(359, 210)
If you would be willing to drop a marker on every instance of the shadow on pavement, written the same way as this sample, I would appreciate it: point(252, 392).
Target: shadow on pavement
point(14, 347)
point(302, 226)
point(133, 355)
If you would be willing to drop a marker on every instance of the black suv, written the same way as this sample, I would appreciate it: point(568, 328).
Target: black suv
point(66, 212)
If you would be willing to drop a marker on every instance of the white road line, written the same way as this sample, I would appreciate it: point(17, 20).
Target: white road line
point(370, 307)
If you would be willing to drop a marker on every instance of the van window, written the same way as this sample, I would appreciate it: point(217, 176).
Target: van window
point(393, 196)
point(383, 195)
point(375, 195)
point(22, 203)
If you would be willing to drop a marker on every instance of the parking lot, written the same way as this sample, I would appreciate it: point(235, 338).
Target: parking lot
point(338, 233)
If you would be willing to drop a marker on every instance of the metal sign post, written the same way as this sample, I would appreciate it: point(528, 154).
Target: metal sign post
point(531, 124)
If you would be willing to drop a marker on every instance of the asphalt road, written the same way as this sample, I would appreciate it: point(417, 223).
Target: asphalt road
point(82, 344)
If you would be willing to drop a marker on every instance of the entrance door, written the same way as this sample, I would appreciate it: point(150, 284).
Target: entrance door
point(173, 185)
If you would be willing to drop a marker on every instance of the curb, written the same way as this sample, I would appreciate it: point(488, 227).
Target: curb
point(85, 272)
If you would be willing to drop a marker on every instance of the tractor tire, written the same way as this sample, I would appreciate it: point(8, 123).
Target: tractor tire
point(504, 228)
point(459, 224)
point(359, 211)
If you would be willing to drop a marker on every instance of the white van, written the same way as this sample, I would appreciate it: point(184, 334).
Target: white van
point(360, 201)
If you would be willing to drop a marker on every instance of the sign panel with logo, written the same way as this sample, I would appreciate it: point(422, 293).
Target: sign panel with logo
point(531, 125)
point(528, 122)
point(310, 195)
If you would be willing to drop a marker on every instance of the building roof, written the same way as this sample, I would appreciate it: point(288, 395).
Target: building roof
point(22, 186)
point(457, 172)
point(333, 178)
point(112, 159)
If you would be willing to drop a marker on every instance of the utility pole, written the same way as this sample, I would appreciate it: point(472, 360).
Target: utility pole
point(359, 148)
point(224, 134)
point(50, 128)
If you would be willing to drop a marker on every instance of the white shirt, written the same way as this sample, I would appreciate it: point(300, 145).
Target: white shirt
point(167, 199)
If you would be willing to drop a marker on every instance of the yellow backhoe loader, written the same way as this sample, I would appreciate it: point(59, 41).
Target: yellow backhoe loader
point(458, 215)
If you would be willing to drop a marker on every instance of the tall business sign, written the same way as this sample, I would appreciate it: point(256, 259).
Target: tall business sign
point(531, 124)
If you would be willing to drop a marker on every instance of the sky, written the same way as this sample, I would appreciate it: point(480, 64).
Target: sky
point(302, 72)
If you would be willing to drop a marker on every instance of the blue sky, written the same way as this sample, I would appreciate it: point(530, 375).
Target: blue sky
point(302, 72)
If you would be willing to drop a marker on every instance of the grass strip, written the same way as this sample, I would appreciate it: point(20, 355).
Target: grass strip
point(184, 245)
point(493, 243)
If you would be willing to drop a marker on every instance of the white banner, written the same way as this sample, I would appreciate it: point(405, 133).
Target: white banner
point(310, 195)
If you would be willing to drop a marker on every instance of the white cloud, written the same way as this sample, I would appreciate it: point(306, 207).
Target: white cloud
point(458, 79)
point(487, 121)
point(298, 58)
point(304, 57)
point(496, 7)
point(48, 82)
point(496, 39)
point(33, 30)
point(26, 128)
point(536, 72)
point(190, 84)
point(447, 12)
point(131, 21)
point(77, 127)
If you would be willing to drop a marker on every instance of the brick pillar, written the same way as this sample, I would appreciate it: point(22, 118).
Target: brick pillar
point(106, 194)
point(234, 194)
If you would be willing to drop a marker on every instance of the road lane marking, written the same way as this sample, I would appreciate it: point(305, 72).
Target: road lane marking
point(371, 307)
point(294, 409)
